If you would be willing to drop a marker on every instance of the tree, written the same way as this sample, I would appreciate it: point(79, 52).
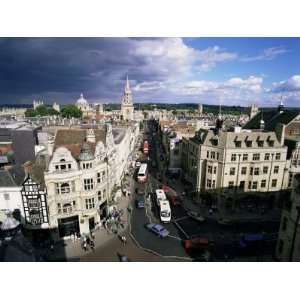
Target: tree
point(52, 111)
point(174, 112)
point(30, 113)
point(71, 111)
point(41, 110)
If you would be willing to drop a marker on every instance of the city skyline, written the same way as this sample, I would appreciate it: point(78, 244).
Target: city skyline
point(233, 71)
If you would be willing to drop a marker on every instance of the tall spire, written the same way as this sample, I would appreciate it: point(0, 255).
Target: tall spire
point(127, 86)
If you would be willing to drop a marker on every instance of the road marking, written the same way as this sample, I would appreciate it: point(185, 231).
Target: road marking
point(181, 229)
point(175, 237)
point(182, 218)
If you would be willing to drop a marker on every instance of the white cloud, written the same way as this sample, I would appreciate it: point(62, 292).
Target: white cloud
point(290, 85)
point(267, 54)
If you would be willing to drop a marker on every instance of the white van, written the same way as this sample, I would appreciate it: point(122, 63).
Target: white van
point(165, 211)
point(160, 196)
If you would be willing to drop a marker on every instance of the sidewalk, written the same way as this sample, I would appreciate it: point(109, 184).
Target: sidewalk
point(70, 250)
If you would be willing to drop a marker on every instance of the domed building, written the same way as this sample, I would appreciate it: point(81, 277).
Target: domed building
point(84, 106)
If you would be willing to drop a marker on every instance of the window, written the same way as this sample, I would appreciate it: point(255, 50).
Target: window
point(233, 157)
point(208, 183)
point(209, 169)
point(207, 155)
point(284, 224)
point(89, 203)
point(256, 156)
point(254, 185)
point(213, 185)
point(230, 184)
point(215, 170)
point(251, 170)
point(104, 194)
point(238, 144)
point(88, 184)
point(249, 185)
point(232, 171)
point(65, 188)
point(244, 170)
point(56, 167)
point(271, 143)
point(276, 170)
point(99, 177)
point(274, 182)
point(242, 184)
point(260, 143)
point(277, 156)
point(256, 171)
point(99, 196)
point(69, 166)
point(57, 190)
point(248, 144)
point(265, 170)
point(212, 155)
point(217, 155)
point(267, 156)
point(6, 196)
point(245, 156)
point(263, 183)
point(290, 180)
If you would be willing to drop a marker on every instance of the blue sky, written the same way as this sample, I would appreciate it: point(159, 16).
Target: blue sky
point(235, 71)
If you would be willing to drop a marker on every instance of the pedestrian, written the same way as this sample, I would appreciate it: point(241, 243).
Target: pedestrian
point(92, 246)
point(124, 240)
point(92, 235)
point(85, 246)
point(88, 240)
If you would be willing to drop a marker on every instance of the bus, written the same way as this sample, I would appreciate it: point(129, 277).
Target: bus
point(160, 196)
point(146, 147)
point(142, 173)
point(165, 211)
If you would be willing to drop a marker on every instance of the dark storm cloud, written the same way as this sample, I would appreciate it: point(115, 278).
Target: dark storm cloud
point(61, 68)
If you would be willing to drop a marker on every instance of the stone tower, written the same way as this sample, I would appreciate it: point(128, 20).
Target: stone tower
point(200, 109)
point(127, 103)
point(253, 111)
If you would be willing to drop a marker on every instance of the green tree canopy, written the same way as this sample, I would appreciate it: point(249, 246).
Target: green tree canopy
point(30, 113)
point(70, 111)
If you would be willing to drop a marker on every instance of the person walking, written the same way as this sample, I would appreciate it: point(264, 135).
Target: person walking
point(124, 240)
point(85, 246)
point(92, 245)
point(92, 235)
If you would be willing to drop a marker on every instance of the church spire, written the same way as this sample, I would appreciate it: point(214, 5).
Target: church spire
point(127, 86)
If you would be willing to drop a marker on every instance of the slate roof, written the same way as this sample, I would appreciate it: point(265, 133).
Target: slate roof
point(228, 139)
point(271, 118)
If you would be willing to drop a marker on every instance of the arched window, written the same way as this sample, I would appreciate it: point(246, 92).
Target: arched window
point(65, 188)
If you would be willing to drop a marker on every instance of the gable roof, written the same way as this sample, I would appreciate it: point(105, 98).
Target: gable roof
point(271, 119)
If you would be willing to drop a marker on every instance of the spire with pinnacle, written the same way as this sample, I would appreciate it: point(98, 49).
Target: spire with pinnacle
point(127, 86)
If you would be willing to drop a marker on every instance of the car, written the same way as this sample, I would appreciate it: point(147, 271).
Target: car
point(196, 243)
point(140, 203)
point(140, 191)
point(158, 229)
point(223, 221)
point(196, 216)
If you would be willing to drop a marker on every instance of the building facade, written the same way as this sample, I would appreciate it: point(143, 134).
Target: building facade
point(232, 162)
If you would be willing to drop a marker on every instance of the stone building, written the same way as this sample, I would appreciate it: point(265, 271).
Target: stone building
point(85, 167)
point(288, 243)
point(233, 162)
point(85, 107)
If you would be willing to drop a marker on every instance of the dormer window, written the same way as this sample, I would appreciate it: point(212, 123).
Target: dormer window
point(260, 143)
point(249, 144)
point(271, 143)
point(238, 144)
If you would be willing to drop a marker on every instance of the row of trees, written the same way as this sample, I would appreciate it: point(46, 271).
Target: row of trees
point(68, 111)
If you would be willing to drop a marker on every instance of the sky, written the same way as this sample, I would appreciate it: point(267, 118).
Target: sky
point(230, 71)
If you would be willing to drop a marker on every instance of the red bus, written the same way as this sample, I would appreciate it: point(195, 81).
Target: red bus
point(146, 147)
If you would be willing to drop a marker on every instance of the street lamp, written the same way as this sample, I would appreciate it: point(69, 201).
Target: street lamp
point(294, 234)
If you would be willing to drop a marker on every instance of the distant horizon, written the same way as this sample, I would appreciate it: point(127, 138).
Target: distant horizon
point(235, 71)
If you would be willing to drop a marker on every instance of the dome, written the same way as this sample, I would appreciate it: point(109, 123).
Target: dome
point(82, 101)
point(86, 153)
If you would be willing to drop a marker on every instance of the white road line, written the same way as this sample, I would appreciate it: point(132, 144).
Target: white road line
point(181, 229)
point(175, 237)
point(182, 218)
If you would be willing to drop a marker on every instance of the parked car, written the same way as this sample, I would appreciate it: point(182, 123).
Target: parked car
point(196, 216)
point(196, 243)
point(140, 203)
point(158, 229)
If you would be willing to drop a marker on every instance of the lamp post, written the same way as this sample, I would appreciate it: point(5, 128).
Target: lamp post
point(294, 234)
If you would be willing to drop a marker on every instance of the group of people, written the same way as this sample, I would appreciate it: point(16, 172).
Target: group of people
point(88, 241)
